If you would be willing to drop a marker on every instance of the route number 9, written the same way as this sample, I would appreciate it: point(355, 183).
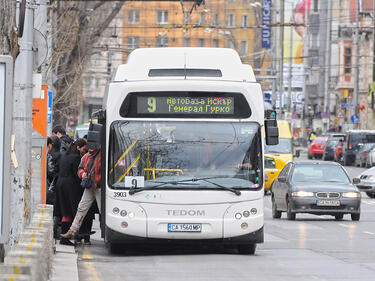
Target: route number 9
point(151, 104)
point(134, 183)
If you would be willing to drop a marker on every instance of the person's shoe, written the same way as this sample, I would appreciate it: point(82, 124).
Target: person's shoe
point(69, 234)
point(65, 241)
point(86, 241)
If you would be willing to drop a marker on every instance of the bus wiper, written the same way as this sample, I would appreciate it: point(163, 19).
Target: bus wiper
point(186, 182)
point(136, 190)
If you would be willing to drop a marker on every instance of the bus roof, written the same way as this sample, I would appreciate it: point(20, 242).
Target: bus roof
point(184, 63)
point(284, 129)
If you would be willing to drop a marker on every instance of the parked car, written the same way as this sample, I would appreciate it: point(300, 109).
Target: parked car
point(272, 168)
point(362, 154)
point(316, 148)
point(320, 188)
point(367, 182)
point(351, 144)
point(330, 147)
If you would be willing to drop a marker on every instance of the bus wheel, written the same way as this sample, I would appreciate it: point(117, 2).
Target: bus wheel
point(247, 249)
point(115, 248)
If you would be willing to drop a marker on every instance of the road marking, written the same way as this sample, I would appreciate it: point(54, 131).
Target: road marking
point(344, 225)
point(368, 202)
point(368, 232)
point(90, 267)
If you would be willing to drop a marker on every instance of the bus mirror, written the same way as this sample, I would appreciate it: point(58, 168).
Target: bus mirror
point(100, 115)
point(93, 136)
point(272, 132)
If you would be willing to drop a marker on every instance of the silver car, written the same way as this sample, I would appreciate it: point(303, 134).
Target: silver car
point(320, 188)
point(367, 182)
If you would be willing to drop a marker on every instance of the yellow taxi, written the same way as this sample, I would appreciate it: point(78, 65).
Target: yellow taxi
point(272, 168)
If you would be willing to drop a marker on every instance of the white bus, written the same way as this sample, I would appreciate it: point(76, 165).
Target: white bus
point(184, 149)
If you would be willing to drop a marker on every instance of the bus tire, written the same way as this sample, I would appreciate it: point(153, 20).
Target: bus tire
point(115, 248)
point(247, 249)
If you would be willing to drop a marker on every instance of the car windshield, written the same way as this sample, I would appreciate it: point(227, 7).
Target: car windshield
point(284, 146)
point(320, 140)
point(333, 143)
point(356, 139)
point(185, 154)
point(80, 133)
point(319, 173)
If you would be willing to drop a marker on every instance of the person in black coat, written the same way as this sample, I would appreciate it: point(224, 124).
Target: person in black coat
point(68, 186)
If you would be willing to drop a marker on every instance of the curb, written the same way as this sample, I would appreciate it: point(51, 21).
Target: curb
point(65, 266)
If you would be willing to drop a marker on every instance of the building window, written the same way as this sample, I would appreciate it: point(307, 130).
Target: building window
point(133, 16)
point(200, 42)
point(201, 18)
point(215, 43)
point(161, 41)
point(244, 47)
point(244, 21)
point(230, 20)
point(316, 5)
point(230, 44)
point(348, 61)
point(162, 17)
point(186, 42)
point(215, 21)
point(97, 82)
point(186, 17)
point(133, 42)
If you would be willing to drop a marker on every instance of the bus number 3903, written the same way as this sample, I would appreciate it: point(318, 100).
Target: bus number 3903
point(119, 194)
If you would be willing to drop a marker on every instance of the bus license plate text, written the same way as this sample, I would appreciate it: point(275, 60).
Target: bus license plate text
point(184, 227)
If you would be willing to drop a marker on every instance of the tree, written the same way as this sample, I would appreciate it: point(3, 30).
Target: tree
point(8, 30)
point(78, 26)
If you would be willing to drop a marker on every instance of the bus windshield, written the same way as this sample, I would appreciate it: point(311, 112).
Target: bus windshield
point(185, 155)
point(284, 146)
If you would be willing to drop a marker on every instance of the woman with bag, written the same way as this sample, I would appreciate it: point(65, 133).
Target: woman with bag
point(68, 186)
point(89, 171)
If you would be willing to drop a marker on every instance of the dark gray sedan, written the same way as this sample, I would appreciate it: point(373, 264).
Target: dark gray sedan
point(320, 188)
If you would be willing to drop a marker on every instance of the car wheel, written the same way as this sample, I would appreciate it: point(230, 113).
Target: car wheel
point(289, 214)
point(275, 213)
point(339, 217)
point(370, 194)
point(247, 249)
point(355, 217)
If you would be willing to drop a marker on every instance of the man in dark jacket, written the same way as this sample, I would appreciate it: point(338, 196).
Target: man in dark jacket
point(60, 132)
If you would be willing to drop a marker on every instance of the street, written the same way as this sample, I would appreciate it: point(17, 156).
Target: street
point(310, 248)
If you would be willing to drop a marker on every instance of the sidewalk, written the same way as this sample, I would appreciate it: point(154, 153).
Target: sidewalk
point(65, 264)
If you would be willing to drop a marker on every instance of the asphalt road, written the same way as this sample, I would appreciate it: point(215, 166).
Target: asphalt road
point(310, 248)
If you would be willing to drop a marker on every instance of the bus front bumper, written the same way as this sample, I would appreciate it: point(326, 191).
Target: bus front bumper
point(120, 238)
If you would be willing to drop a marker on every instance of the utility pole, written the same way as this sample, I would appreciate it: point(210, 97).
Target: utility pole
point(274, 57)
point(281, 71)
point(327, 73)
point(305, 94)
point(373, 65)
point(356, 62)
point(22, 128)
point(290, 64)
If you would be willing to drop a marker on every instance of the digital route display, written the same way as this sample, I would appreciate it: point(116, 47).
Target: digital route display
point(185, 105)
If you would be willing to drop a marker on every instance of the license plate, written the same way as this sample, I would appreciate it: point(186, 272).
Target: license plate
point(184, 227)
point(328, 203)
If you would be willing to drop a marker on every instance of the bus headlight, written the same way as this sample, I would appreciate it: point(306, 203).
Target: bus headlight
point(351, 194)
point(254, 211)
point(246, 214)
point(123, 213)
point(116, 210)
point(238, 216)
point(244, 225)
point(124, 224)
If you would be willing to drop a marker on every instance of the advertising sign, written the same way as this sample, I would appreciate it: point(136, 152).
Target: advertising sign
point(40, 125)
point(266, 21)
point(6, 86)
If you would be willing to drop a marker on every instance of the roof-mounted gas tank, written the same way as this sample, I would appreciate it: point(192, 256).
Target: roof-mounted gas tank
point(184, 63)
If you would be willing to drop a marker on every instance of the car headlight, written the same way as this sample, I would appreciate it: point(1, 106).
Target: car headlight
point(302, 193)
point(351, 194)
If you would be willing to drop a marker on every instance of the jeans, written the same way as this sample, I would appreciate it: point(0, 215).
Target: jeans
point(88, 197)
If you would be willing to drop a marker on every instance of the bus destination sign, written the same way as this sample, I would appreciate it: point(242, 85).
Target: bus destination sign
point(185, 105)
